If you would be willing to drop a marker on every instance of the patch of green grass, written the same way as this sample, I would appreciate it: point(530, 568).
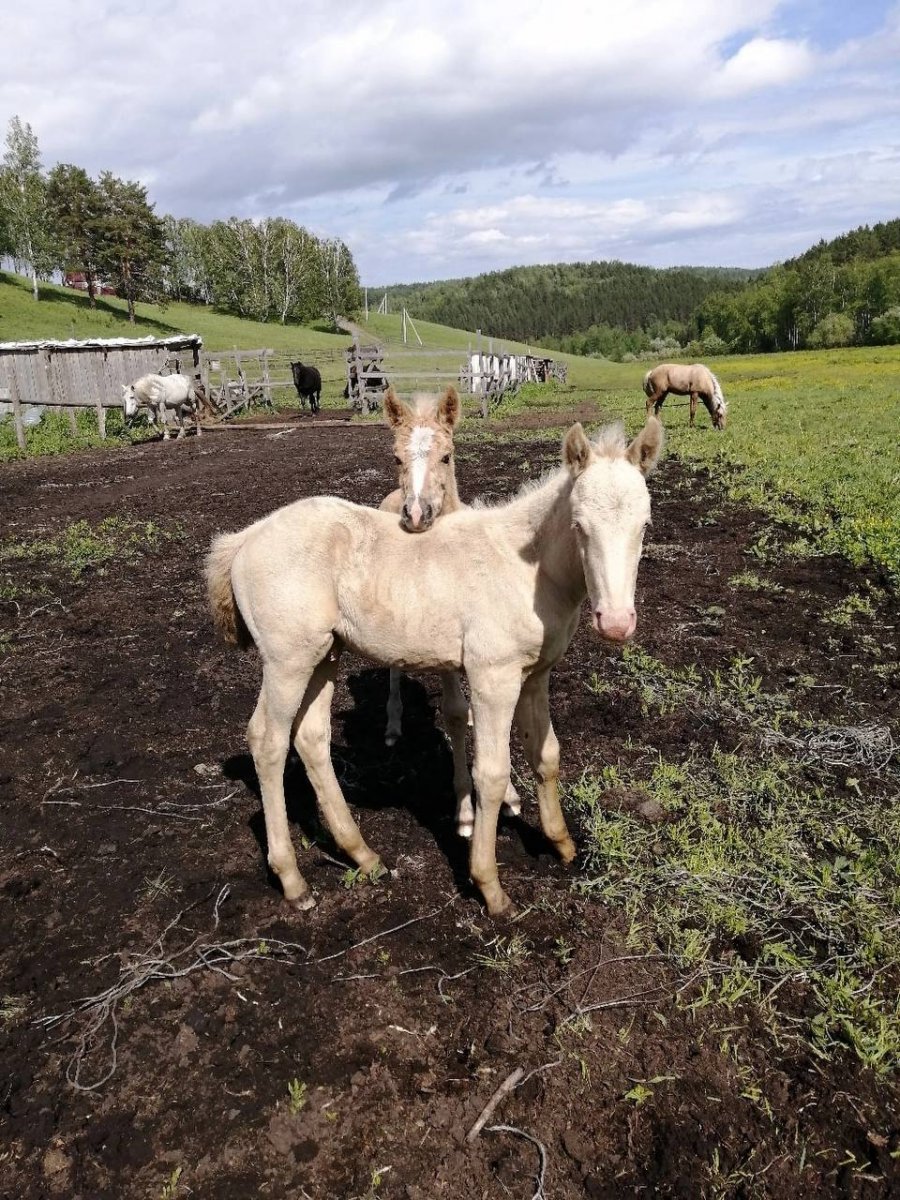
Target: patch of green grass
point(54, 435)
point(762, 879)
point(298, 1095)
point(754, 583)
point(855, 605)
point(735, 690)
point(171, 1187)
point(82, 546)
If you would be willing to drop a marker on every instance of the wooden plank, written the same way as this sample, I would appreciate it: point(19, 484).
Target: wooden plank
point(17, 413)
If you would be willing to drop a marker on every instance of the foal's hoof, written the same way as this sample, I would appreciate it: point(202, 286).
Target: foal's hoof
point(465, 829)
point(503, 910)
point(566, 851)
point(303, 903)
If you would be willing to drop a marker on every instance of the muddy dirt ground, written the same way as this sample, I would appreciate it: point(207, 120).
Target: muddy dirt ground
point(346, 1052)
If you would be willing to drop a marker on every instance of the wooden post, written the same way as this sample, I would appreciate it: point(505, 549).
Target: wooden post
point(360, 382)
point(73, 421)
point(17, 412)
point(267, 386)
point(101, 419)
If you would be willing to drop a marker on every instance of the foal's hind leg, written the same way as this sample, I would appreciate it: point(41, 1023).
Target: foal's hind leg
point(455, 710)
point(693, 408)
point(312, 741)
point(394, 710)
point(655, 401)
point(269, 735)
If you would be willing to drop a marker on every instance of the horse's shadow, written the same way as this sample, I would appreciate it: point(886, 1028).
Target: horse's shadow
point(416, 775)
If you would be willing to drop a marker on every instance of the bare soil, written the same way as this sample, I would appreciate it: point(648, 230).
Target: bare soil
point(119, 706)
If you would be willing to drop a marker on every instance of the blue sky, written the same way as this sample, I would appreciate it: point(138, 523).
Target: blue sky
point(460, 137)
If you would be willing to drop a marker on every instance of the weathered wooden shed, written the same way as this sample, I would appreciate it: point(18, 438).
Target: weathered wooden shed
point(88, 374)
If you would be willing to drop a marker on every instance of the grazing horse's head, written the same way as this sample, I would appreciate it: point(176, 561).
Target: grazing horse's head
point(610, 511)
point(423, 451)
point(129, 400)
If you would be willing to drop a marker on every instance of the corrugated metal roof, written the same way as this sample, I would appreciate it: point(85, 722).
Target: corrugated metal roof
point(177, 342)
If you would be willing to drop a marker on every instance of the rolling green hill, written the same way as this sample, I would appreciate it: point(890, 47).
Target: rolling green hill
point(63, 313)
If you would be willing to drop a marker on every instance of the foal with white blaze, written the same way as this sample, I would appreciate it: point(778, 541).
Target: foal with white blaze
point(423, 452)
point(496, 591)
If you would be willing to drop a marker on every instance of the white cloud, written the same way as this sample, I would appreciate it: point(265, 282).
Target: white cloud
point(639, 129)
point(764, 63)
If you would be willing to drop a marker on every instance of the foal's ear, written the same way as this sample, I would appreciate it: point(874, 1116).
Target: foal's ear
point(646, 448)
point(449, 408)
point(395, 411)
point(577, 452)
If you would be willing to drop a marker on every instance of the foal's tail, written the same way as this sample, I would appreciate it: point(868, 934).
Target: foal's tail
point(648, 386)
point(225, 612)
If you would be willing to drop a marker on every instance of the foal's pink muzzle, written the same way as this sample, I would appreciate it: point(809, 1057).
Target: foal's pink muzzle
point(615, 624)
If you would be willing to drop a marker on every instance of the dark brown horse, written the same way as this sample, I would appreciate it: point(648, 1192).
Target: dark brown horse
point(695, 380)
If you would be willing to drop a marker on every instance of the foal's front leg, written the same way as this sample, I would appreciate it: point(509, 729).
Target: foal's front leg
point(494, 696)
point(542, 749)
point(693, 409)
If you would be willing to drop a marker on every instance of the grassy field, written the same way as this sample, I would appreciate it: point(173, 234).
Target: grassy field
point(811, 438)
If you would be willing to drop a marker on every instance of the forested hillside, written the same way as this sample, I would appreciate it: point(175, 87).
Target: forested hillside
point(544, 302)
point(839, 293)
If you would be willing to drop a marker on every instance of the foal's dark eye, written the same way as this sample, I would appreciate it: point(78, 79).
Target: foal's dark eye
point(398, 460)
point(446, 458)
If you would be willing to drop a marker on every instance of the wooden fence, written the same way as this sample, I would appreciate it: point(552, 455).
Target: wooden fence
point(488, 375)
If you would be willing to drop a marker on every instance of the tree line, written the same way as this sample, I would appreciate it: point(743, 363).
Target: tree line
point(107, 230)
point(838, 293)
point(548, 303)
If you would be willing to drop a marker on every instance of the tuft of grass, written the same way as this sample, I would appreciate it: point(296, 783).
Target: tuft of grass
point(507, 953)
point(754, 583)
point(298, 1094)
point(170, 1187)
point(82, 546)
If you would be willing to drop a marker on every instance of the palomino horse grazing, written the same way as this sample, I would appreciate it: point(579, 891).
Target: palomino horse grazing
point(496, 591)
point(162, 393)
point(684, 380)
point(423, 452)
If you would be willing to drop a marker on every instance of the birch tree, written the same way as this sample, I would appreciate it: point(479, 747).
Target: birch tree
point(23, 198)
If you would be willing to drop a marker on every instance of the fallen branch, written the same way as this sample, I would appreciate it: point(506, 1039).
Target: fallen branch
point(508, 1085)
point(375, 936)
point(100, 1011)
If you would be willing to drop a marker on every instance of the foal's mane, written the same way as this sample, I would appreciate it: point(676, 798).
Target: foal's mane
point(424, 406)
point(609, 442)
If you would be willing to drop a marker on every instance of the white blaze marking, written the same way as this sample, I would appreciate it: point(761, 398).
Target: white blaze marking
point(419, 449)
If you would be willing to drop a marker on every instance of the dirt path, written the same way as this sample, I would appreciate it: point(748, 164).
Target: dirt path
point(347, 1053)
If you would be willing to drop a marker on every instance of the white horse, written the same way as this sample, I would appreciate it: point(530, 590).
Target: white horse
point(159, 394)
point(494, 591)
